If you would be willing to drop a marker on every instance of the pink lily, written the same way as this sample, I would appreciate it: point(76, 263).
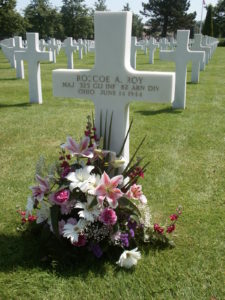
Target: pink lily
point(107, 189)
point(135, 192)
point(81, 149)
point(39, 191)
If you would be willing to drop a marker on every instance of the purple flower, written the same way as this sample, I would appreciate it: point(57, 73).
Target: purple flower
point(96, 249)
point(131, 231)
point(132, 224)
point(67, 207)
point(124, 238)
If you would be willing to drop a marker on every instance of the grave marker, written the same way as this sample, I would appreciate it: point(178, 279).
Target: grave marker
point(19, 61)
point(205, 44)
point(53, 48)
point(163, 44)
point(152, 45)
point(173, 43)
point(181, 56)
point(112, 84)
point(42, 44)
point(9, 52)
point(81, 46)
point(33, 56)
point(197, 46)
point(134, 48)
point(69, 48)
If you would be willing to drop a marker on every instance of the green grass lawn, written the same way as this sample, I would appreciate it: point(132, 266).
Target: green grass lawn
point(186, 150)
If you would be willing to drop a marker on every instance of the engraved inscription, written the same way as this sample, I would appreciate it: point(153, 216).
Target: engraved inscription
point(106, 85)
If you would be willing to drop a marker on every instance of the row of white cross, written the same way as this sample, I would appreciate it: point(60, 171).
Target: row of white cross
point(34, 53)
point(112, 83)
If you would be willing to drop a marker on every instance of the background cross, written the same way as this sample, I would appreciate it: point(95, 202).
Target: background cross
point(33, 56)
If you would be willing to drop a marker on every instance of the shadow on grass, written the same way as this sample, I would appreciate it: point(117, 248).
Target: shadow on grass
point(167, 110)
point(25, 104)
point(28, 251)
point(193, 83)
point(14, 78)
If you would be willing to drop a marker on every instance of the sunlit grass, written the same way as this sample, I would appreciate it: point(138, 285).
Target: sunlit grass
point(186, 150)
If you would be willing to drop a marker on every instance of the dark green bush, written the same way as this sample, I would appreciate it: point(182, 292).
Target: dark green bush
point(221, 43)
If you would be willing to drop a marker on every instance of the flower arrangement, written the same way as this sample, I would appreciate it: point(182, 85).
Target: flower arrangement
point(91, 199)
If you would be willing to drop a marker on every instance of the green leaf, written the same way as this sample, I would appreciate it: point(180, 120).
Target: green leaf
point(93, 203)
point(54, 210)
point(132, 158)
point(101, 124)
point(124, 142)
point(110, 131)
point(105, 132)
point(127, 203)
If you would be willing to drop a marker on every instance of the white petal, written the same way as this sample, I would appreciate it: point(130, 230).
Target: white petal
point(71, 176)
point(73, 185)
point(143, 199)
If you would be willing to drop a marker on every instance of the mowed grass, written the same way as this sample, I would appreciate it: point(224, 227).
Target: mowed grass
point(186, 150)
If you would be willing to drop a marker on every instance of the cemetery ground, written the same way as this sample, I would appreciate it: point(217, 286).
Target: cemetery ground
point(186, 150)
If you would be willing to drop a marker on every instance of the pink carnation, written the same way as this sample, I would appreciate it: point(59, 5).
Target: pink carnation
point(108, 216)
point(60, 197)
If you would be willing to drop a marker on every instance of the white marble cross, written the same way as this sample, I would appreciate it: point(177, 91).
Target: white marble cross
point(9, 52)
point(52, 46)
point(134, 48)
point(81, 46)
point(197, 46)
point(181, 56)
point(152, 45)
point(205, 44)
point(19, 61)
point(173, 43)
point(59, 45)
point(214, 42)
point(145, 46)
point(112, 83)
point(42, 44)
point(69, 48)
point(33, 56)
point(85, 47)
point(163, 44)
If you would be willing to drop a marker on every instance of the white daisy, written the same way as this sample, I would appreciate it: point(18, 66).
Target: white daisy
point(79, 178)
point(72, 232)
point(88, 212)
point(129, 258)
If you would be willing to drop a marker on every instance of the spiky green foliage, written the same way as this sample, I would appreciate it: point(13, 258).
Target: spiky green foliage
point(208, 24)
